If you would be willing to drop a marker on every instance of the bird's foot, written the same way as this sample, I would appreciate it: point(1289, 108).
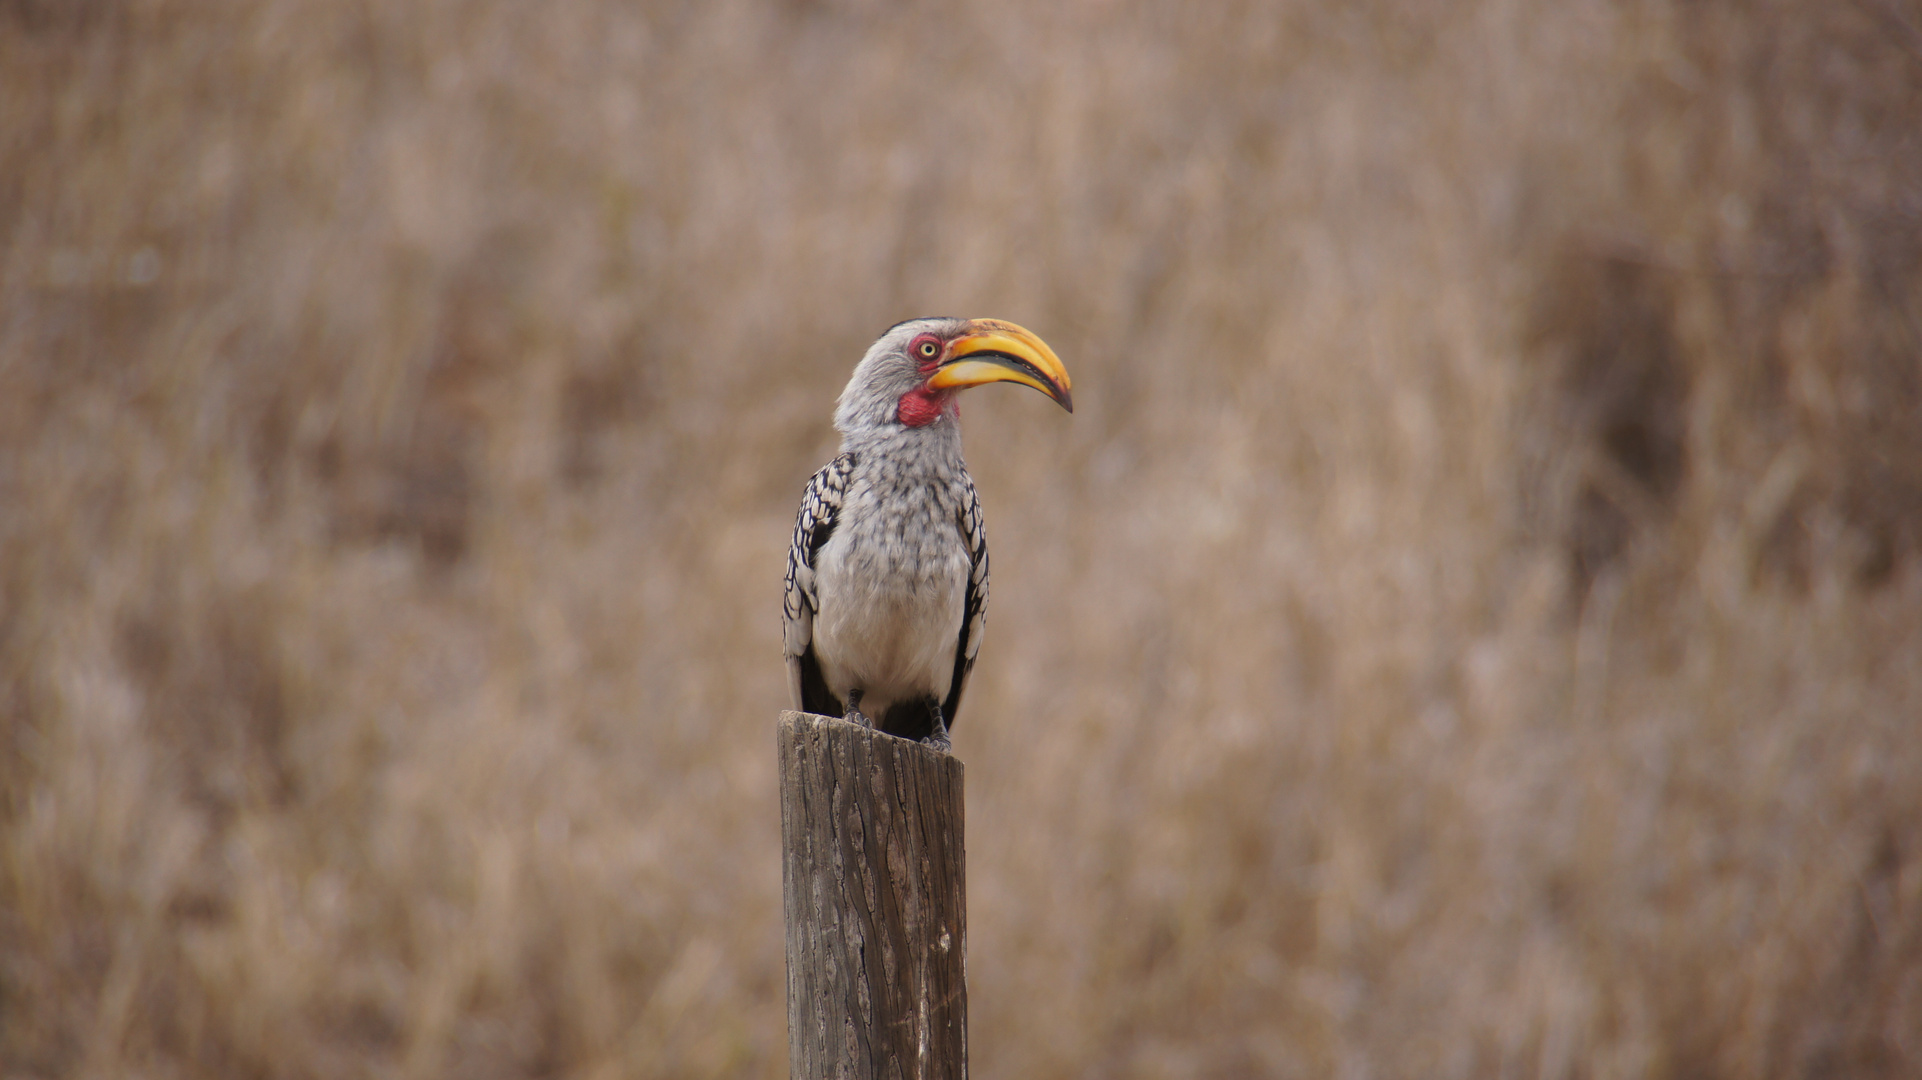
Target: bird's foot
point(854, 714)
point(938, 739)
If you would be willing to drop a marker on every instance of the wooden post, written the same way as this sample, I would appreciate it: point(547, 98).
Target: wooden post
point(876, 899)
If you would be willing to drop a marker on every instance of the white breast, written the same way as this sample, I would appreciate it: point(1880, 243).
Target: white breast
point(891, 584)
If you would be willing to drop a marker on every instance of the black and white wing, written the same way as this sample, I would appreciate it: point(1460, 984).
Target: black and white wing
point(974, 534)
point(820, 508)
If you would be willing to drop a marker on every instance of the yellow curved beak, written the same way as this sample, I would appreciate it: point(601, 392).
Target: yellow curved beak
point(996, 351)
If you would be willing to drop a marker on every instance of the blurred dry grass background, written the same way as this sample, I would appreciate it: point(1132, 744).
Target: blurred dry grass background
point(1472, 627)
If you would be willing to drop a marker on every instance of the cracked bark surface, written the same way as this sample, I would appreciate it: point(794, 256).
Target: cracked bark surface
point(875, 894)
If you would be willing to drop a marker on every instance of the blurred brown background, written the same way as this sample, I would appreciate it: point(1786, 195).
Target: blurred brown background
point(1472, 626)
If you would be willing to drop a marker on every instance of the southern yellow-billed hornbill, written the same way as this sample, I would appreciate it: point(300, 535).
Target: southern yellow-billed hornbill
point(887, 581)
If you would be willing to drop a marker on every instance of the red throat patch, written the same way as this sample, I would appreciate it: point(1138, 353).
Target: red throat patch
point(922, 407)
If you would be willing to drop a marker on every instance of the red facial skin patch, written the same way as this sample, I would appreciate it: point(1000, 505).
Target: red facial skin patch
point(923, 406)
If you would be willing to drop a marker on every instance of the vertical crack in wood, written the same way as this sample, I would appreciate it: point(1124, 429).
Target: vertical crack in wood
point(874, 878)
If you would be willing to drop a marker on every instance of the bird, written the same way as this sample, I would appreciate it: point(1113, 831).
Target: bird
point(887, 576)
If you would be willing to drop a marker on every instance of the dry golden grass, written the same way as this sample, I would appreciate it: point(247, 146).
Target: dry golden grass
point(1473, 626)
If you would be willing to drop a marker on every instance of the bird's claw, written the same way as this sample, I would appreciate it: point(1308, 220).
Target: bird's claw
point(854, 714)
point(938, 738)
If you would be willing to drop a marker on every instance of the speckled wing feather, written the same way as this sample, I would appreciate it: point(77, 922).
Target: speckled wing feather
point(974, 534)
point(820, 509)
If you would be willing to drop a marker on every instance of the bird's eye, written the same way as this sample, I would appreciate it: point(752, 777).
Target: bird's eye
point(928, 350)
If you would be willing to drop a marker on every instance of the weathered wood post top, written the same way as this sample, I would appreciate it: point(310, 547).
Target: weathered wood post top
point(874, 876)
